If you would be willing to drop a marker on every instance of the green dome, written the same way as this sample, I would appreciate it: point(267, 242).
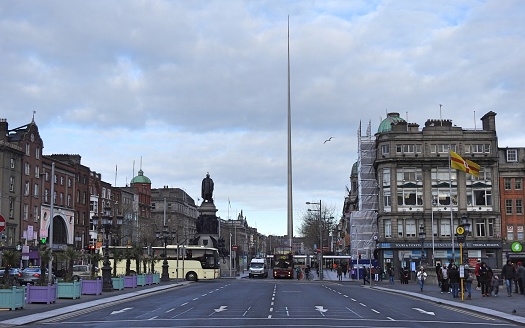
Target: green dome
point(141, 178)
point(386, 125)
point(354, 169)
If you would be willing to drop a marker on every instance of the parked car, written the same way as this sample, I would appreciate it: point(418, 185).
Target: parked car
point(13, 272)
point(30, 275)
point(81, 271)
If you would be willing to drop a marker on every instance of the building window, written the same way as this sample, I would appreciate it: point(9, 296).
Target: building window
point(68, 200)
point(388, 228)
point(480, 228)
point(46, 196)
point(400, 231)
point(519, 206)
point(510, 232)
point(27, 168)
point(11, 183)
point(385, 149)
point(35, 190)
point(507, 182)
point(11, 207)
point(445, 228)
point(441, 148)
point(508, 206)
point(512, 155)
point(387, 198)
point(411, 228)
point(490, 226)
point(28, 149)
point(37, 152)
point(520, 232)
point(25, 215)
point(36, 213)
point(13, 163)
point(26, 189)
point(477, 148)
point(517, 183)
point(37, 171)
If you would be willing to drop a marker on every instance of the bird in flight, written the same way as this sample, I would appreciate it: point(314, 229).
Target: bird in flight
point(329, 139)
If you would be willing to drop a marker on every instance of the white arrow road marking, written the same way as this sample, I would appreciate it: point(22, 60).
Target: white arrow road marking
point(321, 309)
point(423, 311)
point(222, 308)
point(121, 311)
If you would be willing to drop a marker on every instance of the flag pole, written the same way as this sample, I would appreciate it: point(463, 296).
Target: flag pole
point(450, 197)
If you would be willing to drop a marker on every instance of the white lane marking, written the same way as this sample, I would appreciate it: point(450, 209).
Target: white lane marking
point(121, 311)
point(362, 304)
point(196, 298)
point(287, 313)
point(182, 312)
point(246, 311)
point(222, 308)
point(423, 311)
point(184, 304)
point(153, 318)
point(354, 313)
point(374, 311)
point(390, 319)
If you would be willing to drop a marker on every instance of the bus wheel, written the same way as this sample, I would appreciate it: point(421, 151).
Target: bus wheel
point(191, 276)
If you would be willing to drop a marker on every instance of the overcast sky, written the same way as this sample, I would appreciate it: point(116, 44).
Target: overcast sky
point(182, 88)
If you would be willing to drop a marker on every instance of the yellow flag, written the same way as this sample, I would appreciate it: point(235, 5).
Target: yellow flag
point(458, 163)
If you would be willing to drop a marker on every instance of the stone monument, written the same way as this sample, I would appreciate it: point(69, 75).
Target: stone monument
point(207, 224)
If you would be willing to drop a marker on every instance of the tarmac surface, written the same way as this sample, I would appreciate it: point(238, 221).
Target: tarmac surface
point(507, 308)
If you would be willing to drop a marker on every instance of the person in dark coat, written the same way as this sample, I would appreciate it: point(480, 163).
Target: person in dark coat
point(453, 276)
point(484, 279)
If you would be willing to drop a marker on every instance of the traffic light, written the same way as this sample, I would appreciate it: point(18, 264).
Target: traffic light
point(359, 256)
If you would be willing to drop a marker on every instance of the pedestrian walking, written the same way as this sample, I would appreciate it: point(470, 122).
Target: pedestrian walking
point(339, 273)
point(520, 273)
point(345, 269)
point(476, 272)
point(507, 274)
point(444, 279)
point(484, 279)
point(495, 284)
point(453, 276)
point(469, 278)
point(366, 276)
point(405, 275)
point(391, 275)
point(421, 277)
point(298, 272)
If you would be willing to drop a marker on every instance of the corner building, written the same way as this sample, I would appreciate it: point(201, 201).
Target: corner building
point(418, 193)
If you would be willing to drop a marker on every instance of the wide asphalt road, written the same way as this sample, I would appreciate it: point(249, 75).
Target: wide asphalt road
point(273, 303)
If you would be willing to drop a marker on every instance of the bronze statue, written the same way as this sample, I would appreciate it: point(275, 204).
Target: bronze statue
point(207, 189)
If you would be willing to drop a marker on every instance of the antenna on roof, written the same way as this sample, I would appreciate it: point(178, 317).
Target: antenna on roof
point(475, 127)
point(440, 114)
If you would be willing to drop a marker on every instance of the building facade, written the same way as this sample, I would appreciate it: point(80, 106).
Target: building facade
point(422, 200)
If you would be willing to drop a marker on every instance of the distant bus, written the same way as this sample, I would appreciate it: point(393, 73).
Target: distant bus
point(189, 262)
point(283, 266)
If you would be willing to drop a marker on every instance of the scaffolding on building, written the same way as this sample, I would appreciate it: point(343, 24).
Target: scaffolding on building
point(363, 222)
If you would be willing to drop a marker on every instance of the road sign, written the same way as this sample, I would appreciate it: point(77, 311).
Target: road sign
point(234, 247)
point(516, 246)
point(2, 223)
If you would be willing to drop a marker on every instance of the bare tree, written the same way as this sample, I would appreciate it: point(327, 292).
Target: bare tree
point(317, 223)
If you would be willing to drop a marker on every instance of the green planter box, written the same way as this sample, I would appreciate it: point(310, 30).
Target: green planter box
point(41, 294)
point(141, 280)
point(71, 290)
point(156, 278)
point(118, 283)
point(92, 287)
point(12, 299)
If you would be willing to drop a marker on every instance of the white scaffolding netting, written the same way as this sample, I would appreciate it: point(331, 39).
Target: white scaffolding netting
point(364, 221)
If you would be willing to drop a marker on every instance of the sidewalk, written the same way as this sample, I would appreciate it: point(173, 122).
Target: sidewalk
point(36, 312)
point(502, 306)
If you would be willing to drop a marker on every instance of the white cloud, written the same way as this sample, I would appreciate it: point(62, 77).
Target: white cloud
point(194, 87)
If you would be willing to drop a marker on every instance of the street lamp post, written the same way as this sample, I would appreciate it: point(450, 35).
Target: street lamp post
point(165, 236)
point(422, 236)
point(462, 231)
point(106, 225)
point(320, 238)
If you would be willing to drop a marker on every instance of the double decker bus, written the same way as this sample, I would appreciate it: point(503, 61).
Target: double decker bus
point(283, 266)
point(189, 262)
